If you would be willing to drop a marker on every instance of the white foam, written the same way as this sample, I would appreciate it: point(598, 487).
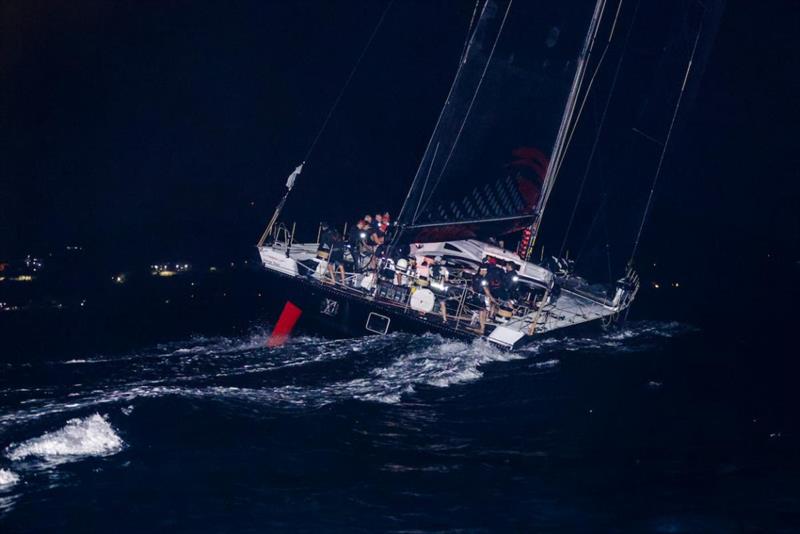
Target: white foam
point(402, 364)
point(438, 363)
point(8, 478)
point(90, 436)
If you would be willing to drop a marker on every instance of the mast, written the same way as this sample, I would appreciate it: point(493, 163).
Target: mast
point(566, 121)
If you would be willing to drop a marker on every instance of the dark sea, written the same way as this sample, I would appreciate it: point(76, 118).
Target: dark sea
point(167, 413)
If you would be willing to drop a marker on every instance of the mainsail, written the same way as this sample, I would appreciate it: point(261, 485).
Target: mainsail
point(487, 167)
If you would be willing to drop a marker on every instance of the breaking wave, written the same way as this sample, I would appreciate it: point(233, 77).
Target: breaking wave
point(8, 478)
point(79, 438)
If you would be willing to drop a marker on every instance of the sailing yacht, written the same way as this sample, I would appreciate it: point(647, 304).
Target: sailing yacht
point(484, 180)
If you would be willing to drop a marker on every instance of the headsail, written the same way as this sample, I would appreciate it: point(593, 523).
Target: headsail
point(485, 169)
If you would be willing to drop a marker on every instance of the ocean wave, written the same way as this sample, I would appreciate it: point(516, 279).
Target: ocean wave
point(631, 337)
point(547, 364)
point(441, 364)
point(8, 478)
point(377, 368)
point(195, 345)
point(79, 438)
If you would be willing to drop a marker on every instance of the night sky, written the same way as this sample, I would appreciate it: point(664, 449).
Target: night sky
point(150, 130)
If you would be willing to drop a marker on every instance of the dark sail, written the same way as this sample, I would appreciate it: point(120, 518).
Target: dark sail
point(484, 170)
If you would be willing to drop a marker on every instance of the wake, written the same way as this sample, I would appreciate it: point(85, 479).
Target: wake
point(381, 369)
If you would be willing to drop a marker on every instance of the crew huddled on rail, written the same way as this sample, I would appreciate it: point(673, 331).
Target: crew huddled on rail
point(487, 292)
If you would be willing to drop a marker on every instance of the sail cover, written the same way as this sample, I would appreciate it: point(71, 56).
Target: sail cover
point(482, 173)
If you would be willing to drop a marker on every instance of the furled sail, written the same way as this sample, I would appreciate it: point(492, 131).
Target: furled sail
point(485, 169)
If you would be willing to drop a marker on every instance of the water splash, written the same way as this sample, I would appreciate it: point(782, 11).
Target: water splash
point(79, 438)
point(307, 371)
point(7, 478)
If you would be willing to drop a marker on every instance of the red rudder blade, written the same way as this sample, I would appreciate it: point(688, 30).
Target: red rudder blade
point(285, 324)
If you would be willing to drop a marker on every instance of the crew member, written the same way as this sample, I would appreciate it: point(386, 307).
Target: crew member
point(509, 281)
point(439, 276)
point(336, 258)
point(494, 283)
point(326, 237)
point(481, 296)
point(356, 238)
point(438, 271)
point(376, 238)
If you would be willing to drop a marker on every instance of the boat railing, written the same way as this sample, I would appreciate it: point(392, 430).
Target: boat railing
point(467, 309)
point(280, 237)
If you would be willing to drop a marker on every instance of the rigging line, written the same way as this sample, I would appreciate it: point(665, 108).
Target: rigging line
point(608, 249)
point(600, 211)
point(469, 32)
point(596, 141)
point(428, 175)
point(666, 144)
point(433, 134)
point(576, 120)
point(569, 128)
point(347, 81)
point(471, 221)
point(566, 119)
point(471, 102)
point(646, 136)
